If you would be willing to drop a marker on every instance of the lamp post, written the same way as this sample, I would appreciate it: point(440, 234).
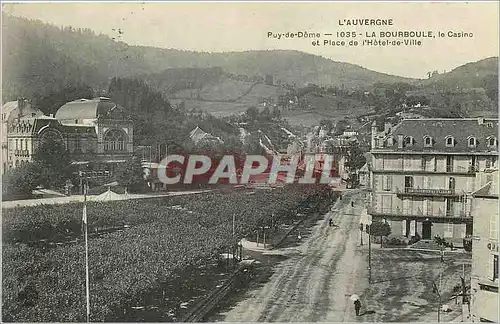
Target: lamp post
point(361, 231)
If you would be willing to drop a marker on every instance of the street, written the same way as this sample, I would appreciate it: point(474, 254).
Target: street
point(316, 282)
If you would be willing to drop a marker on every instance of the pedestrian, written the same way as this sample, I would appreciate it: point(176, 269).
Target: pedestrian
point(352, 203)
point(330, 222)
point(357, 306)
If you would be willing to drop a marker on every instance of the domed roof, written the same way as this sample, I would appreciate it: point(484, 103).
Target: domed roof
point(87, 109)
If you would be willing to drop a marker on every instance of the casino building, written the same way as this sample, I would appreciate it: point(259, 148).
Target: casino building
point(96, 132)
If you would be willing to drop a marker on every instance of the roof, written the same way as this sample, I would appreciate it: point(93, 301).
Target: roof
point(107, 196)
point(199, 134)
point(439, 129)
point(10, 111)
point(89, 109)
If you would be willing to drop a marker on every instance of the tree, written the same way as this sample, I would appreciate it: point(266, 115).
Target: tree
point(355, 158)
point(20, 182)
point(131, 176)
point(379, 228)
point(53, 163)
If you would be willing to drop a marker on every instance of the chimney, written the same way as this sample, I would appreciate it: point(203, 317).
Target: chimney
point(480, 120)
point(400, 141)
point(387, 128)
point(374, 133)
point(21, 102)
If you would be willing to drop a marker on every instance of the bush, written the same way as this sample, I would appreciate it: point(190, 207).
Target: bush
point(414, 239)
point(396, 240)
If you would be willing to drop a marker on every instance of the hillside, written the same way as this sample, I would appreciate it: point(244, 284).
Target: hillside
point(470, 75)
point(39, 58)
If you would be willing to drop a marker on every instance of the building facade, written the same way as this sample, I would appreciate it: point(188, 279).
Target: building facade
point(424, 172)
point(484, 275)
point(97, 134)
point(11, 111)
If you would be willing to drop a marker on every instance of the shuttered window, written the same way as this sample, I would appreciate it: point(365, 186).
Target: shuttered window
point(387, 186)
point(494, 226)
point(448, 230)
point(495, 267)
point(491, 270)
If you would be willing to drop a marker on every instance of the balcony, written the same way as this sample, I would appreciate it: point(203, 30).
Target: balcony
point(439, 215)
point(470, 171)
point(426, 192)
point(22, 153)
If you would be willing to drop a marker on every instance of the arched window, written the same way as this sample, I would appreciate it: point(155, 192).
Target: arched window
point(450, 141)
point(427, 141)
point(471, 141)
point(114, 140)
point(409, 140)
point(492, 141)
point(17, 163)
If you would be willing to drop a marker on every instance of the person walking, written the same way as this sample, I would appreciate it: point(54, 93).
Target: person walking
point(357, 306)
point(330, 222)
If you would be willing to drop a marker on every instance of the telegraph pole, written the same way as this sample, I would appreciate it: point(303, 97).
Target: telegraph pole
point(370, 253)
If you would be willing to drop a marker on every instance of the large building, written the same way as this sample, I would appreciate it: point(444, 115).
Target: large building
point(11, 111)
point(96, 132)
point(424, 172)
point(484, 276)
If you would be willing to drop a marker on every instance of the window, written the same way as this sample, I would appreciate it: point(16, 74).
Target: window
point(428, 141)
point(492, 141)
point(114, 140)
point(472, 141)
point(449, 163)
point(448, 230)
point(408, 140)
point(450, 141)
point(408, 182)
point(495, 267)
point(387, 185)
point(17, 145)
point(488, 162)
point(493, 226)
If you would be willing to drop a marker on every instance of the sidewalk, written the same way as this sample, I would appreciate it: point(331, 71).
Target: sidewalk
point(80, 198)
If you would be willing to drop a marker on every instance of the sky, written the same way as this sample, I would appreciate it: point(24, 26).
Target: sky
point(240, 26)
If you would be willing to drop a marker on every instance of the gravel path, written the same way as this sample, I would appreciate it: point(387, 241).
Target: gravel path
point(315, 283)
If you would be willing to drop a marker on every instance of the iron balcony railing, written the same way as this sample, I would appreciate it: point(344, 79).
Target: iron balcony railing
point(424, 192)
point(449, 168)
point(21, 152)
point(398, 212)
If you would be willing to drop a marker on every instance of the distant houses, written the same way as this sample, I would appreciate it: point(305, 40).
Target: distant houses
point(200, 137)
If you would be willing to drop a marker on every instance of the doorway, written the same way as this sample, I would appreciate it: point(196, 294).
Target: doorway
point(426, 230)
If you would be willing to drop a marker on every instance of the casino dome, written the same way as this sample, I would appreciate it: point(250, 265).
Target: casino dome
point(86, 111)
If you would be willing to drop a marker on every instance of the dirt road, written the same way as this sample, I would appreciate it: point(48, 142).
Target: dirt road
point(315, 283)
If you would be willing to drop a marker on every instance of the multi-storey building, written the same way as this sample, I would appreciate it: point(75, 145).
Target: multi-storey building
point(95, 132)
point(484, 276)
point(424, 172)
point(11, 111)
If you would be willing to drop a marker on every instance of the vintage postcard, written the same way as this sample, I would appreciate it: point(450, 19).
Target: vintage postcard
point(250, 161)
